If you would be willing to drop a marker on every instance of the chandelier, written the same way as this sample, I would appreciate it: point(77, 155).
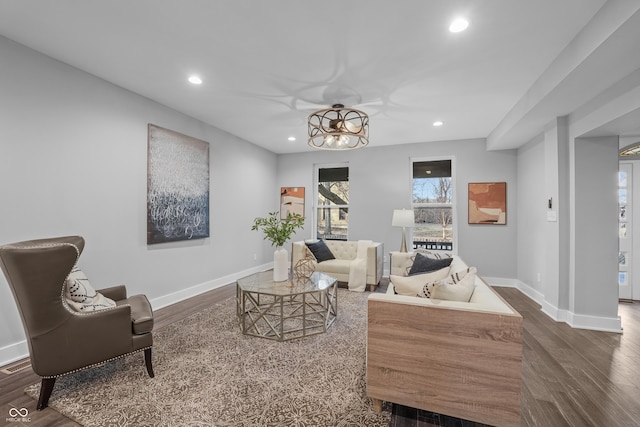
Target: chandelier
point(338, 128)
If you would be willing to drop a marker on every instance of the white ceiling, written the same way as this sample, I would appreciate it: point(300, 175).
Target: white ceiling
point(267, 64)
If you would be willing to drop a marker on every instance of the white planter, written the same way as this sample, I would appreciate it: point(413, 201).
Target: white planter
point(280, 264)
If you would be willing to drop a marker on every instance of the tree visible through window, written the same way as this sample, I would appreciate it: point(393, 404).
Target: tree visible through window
point(433, 205)
point(333, 203)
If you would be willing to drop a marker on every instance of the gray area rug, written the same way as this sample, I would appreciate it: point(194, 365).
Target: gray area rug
point(208, 374)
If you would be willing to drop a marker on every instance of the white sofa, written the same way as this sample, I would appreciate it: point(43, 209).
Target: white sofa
point(345, 252)
point(461, 359)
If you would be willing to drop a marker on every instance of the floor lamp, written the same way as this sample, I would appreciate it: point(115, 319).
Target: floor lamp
point(403, 218)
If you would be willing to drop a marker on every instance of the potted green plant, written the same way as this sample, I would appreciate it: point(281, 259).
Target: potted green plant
point(278, 232)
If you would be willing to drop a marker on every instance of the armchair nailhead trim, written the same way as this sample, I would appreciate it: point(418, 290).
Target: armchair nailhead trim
point(96, 364)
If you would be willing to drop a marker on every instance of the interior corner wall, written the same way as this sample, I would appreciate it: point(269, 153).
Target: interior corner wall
point(553, 143)
point(561, 170)
point(73, 160)
point(543, 234)
point(380, 181)
point(531, 242)
point(595, 287)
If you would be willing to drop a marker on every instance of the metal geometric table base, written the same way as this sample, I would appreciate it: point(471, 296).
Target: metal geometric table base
point(270, 312)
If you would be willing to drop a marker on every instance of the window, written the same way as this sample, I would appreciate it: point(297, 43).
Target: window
point(432, 204)
point(332, 213)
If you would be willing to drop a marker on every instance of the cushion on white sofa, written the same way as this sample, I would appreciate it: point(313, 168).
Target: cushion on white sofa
point(422, 263)
point(452, 280)
point(449, 290)
point(413, 285)
point(435, 255)
point(334, 266)
point(458, 264)
point(320, 250)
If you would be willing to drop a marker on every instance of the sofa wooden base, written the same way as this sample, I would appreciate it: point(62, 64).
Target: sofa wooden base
point(461, 359)
point(461, 363)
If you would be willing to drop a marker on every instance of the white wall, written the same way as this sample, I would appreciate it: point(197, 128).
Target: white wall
point(532, 207)
point(380, 181)
point(73, 153)
point(596, 227)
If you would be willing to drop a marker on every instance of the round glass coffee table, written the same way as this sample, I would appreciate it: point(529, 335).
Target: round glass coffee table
point(283, 311)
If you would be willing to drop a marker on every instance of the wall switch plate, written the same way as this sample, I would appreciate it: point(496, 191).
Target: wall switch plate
point(552, 216)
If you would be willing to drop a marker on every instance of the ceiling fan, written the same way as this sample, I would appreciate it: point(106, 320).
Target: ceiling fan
point(338, 128)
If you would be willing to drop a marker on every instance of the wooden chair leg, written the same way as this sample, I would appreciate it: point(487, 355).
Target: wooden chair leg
point(46, 387)
point(147, 361)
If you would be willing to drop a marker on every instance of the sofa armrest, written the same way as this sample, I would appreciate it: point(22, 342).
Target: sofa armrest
point(399, 262)
point(375, 262)
point(298, 252)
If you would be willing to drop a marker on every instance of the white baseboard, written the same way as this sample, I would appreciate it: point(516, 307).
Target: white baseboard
point(554, 312)
point(183, 294)
point(500, 282)
point(595, 323)
point(530, 292)
point(578, 321)
point(14, 352)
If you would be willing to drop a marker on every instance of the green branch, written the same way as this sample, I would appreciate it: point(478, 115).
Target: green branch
point(278, 231)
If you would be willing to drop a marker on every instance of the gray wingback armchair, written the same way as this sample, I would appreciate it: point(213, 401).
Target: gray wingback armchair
point(60, 340)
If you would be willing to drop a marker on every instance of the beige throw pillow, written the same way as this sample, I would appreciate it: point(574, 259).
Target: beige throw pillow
point(413, 285)
point(81, 296)
point(457, 287)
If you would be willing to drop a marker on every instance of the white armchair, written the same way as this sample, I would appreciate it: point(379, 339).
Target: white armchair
point(345, 253)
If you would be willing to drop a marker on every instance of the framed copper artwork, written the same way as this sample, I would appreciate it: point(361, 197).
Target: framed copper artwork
point(488, 203)
point(291, 201)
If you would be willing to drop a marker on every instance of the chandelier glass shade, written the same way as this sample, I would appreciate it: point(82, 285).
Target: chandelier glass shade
point(338, 128)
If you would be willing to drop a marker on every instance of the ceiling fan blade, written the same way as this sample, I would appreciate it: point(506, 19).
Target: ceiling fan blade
point(351, 127)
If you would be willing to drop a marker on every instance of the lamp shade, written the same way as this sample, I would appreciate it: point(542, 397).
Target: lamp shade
point(403, 218)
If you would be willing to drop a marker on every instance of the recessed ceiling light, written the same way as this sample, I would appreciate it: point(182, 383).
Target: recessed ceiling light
point(292, 138)
point(438, 123)
point(458, 24)
point(195, 80)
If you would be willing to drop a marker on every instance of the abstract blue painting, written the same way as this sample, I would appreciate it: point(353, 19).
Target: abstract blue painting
point(177, 186)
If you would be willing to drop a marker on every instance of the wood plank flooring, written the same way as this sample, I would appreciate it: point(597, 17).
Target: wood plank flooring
point(571, 377)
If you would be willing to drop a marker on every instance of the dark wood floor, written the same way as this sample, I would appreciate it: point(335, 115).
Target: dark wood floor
point(571, 377)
